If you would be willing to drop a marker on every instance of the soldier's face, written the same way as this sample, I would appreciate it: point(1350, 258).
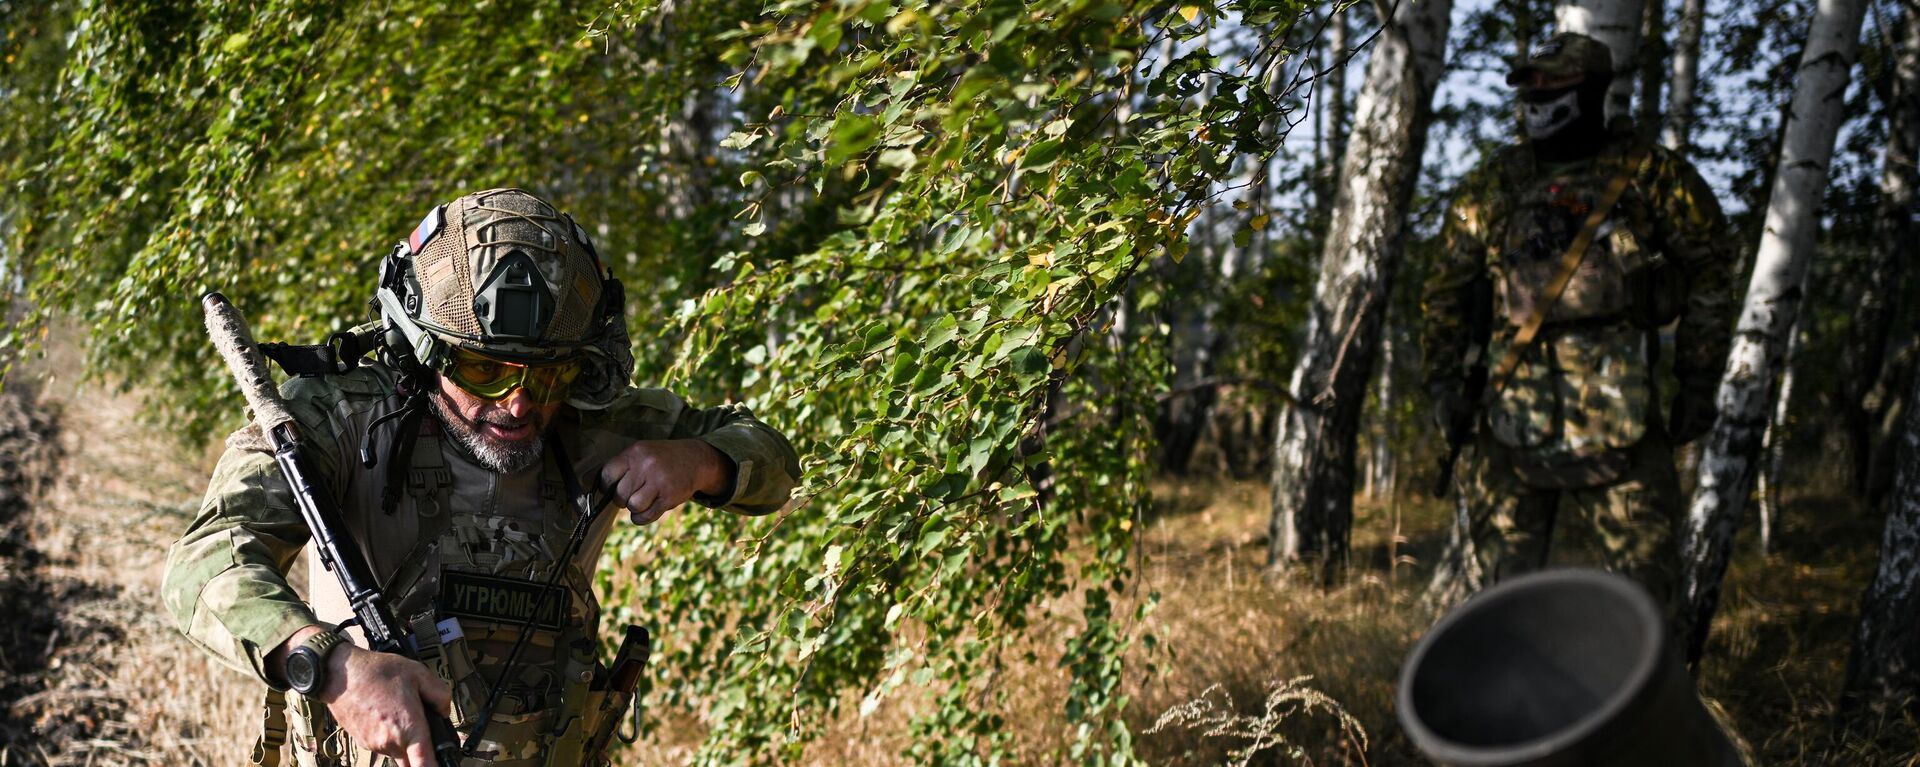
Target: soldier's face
point(504, 434)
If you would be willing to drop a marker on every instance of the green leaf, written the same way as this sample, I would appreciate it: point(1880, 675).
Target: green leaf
point(852, 134)
point(1041, 154)
point(741, 139)
point(1029, 360)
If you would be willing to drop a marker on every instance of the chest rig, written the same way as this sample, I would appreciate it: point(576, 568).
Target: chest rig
point(1539, 220)
point(469, 576)
point(1571, 261)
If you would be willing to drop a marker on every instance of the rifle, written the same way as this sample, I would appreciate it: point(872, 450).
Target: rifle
point(623, 677)
point(337, 551)
point(1460, 430)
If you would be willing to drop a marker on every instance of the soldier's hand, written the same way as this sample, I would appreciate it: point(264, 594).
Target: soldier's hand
point(653, 476)
point(376, 697)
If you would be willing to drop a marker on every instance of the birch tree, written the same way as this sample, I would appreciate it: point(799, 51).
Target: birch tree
point(1868, 337)
point(1773, 444)
point(1677, 125)
point(1312, 485)
point(1727, 463)
point(1652, 55)
point(1338, 51)
point(1885, 667)
point(1616, 23)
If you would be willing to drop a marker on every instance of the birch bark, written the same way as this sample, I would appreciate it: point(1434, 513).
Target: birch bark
point(1337, 45)
point(1678, 127)
point(1653, 72)
point(1312, 480)
point(1772, 304)
point(1885, 668)
point(1773, 444)
point(1616, 23)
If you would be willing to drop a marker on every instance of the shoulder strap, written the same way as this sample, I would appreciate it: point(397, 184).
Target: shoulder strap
point(1569, 264)
point(430, 482)
point(273, 730)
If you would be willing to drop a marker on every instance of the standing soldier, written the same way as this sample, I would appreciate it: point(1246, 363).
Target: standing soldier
point(1565, 256)
point(457, 463)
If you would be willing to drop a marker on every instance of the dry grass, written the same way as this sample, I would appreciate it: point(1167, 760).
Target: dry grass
point(125, 493)
point(1230, 635)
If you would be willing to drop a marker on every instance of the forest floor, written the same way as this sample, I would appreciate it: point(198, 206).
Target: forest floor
point(95, 673)
point(92, 672)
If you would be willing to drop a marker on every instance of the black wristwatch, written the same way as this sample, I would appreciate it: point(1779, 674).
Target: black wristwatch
point(307, 663)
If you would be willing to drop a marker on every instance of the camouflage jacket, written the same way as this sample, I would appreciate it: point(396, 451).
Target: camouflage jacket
point(460, 534)
point(1662, 255)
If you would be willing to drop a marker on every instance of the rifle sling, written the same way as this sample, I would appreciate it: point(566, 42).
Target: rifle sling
point(1569, 264)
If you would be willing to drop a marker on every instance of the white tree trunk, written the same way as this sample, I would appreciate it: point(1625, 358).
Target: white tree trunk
point(1314, 446)
point(1653, 72)
point(1616, 23)
point(1678, 127)
point(1774, 443)
point(1380, 464)
point(1456, 573)
point(1772, 303)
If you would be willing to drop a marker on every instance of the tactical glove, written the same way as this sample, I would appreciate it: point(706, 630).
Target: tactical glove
point(1693, 414)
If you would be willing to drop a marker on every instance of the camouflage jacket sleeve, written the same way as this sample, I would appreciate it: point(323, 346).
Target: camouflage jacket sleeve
point(1691, 231)
point(766, 469)
point(1446, 340)
point(225, 583)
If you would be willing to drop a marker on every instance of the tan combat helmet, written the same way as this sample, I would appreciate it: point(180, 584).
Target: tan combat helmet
point(1565, 56)
point(502, 272)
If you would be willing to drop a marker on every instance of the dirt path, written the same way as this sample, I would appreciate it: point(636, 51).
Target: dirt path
point(93, 671)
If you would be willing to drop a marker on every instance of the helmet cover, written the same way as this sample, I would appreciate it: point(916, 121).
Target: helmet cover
point(502, 272)
point(1563, 56)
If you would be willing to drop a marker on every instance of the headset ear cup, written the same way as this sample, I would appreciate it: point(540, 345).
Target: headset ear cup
point(397, 341)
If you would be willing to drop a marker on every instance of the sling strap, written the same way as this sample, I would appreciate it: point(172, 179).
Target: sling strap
point(273, 730)
point(1569, 264)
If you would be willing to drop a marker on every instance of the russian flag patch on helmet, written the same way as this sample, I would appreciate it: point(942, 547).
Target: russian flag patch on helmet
point(428, 227)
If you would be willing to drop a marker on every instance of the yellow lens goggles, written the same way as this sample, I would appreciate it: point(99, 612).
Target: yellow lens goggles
point(490, 379)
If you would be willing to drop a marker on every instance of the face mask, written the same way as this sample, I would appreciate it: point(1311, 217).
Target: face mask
point(1546, 114)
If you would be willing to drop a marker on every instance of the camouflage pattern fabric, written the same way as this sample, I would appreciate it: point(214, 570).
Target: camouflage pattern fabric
point(226, 581)
point(1628, 527)
point(1572, 463)
point(1584, 393)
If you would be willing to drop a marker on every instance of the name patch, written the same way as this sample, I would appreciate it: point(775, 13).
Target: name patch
point(500, 600)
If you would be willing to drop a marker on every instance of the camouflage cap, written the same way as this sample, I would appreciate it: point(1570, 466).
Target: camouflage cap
point(1563, 56)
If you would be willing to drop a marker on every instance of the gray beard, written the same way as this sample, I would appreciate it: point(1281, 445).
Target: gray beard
point(495, 457)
